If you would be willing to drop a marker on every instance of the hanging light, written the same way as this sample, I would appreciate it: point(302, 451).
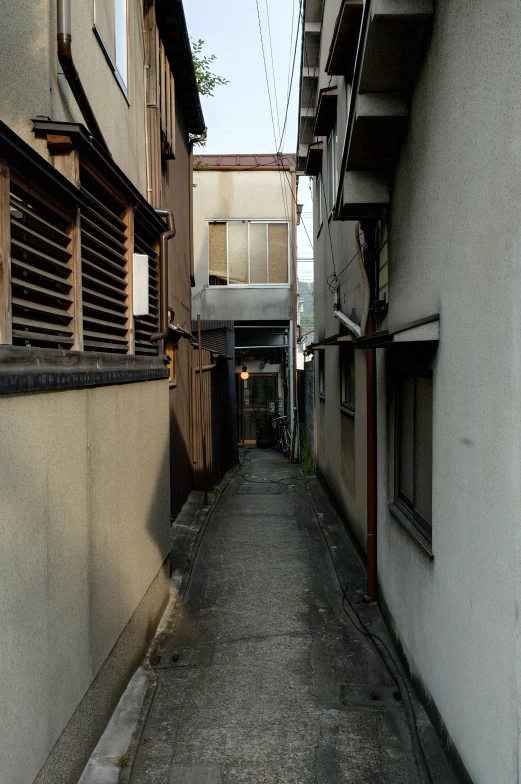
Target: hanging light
point(245, 375)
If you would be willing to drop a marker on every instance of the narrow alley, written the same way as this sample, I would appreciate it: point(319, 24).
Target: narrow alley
point(262, 677)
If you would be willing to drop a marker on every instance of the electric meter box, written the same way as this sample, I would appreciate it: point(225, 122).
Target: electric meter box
point(141, 300)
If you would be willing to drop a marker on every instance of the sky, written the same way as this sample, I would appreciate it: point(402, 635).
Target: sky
point(238, 116)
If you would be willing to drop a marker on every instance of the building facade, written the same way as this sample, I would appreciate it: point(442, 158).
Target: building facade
point(245, 261)
point(409, 117)
point(87, 284)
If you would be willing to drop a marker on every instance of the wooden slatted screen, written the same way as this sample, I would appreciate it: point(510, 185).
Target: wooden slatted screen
point(41, 271)
point(104, 258)
point(145, 242)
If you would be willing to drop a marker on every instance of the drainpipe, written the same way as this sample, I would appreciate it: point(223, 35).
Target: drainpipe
point(293, 348)
point(64, 37)
point(163, 275)
point(371, 256)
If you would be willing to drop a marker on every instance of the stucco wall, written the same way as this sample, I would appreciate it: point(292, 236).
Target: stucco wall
point(455, 247)
point(238, 195)
point(32, 84)
point(341, 439)
point(85, 523)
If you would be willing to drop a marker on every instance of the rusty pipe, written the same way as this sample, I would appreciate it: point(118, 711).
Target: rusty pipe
point(371, 258)
point(64, 37)
point(372, 530)
point(163, 274)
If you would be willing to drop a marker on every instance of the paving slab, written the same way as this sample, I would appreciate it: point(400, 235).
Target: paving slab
point(261, 677)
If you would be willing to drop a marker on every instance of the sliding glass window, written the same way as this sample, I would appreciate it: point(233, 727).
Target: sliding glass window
point(243, 253)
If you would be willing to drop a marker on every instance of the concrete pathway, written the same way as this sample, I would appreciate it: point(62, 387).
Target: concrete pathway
point(261, 678)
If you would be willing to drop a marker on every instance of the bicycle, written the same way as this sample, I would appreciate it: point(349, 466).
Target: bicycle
point(284, 440)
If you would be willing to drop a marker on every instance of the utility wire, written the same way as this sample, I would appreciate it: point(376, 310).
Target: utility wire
point(300, 19)
point(273, 67)
point(266, 73)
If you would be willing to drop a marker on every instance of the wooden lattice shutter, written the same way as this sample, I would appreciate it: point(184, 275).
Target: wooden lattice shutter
point(41, 271)
point(104, 258)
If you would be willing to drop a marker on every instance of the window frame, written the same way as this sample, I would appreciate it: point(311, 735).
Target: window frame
point(331, 164)
point(121, 79)
point(250, 285)
point(322, 374)
point(347, 380)
point(405, 512)
point(320, 212)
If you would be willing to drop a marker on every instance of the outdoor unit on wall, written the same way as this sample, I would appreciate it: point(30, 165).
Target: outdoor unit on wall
point(140, 284)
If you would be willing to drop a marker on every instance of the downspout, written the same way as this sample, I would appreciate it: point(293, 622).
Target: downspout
point(163, 275)
point(64, 37)
point(293, 347)
point(370, 365)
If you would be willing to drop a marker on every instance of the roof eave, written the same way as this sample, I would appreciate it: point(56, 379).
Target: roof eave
point(171, 21)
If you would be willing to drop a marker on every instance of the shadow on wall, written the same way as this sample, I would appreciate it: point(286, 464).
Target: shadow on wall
point(181, 469)
point(85, 521)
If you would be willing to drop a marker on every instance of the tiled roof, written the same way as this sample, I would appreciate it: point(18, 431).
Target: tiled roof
point(250, 162)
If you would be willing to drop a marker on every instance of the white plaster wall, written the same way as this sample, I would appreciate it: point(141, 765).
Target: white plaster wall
point(455, 247)
point(341, 439)
point(32, 84)
point(85, 520)
point(238, 195)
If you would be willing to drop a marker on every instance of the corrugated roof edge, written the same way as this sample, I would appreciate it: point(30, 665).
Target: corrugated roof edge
point(245, 162)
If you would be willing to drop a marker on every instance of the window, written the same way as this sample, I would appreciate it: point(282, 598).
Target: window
point(347, 378)
point(321, 373)
point(413, 448)
point(110, 26)
point(241, 253)
point(319, 202)
point(331, 168)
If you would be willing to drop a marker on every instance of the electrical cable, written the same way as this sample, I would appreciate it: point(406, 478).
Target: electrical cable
point(266, 73)
point(273, 67)
point(396, 675)
point(300, 19)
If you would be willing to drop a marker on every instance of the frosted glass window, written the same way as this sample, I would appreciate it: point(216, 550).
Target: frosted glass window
point(241, 253)
point(217, 253)
point(258, 253)
point(238, 252)
point(277, 252)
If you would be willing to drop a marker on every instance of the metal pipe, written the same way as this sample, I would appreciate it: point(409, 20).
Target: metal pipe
point(201, 408)
point(370, 369)
point(163, 275)
point(347, 322)
point(64, 38)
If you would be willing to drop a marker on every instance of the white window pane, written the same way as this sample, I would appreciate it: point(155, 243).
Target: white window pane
point(238, 252)
point(121, 39)
point(258, 253)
